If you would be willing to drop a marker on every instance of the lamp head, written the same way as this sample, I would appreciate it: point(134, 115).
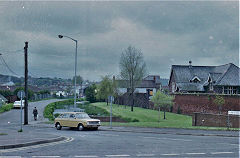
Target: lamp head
point(60, 36)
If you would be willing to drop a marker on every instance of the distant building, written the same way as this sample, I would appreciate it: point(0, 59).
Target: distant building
point(223, 79)
point(10, 83)
point(149, 85)
point(61, 93)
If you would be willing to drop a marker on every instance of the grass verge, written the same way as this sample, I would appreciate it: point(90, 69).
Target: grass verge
point(6, 107)
point(149, 118)
point(2, 134)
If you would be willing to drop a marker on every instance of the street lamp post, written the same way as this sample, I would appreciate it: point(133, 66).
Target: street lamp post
point(75, 78)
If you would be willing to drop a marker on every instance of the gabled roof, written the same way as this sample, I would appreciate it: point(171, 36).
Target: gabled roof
point(152, 77)
point(190, 87)
point(222, 75)
point(142, 84)
point(230, 77)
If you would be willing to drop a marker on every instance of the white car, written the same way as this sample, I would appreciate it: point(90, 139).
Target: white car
point(17, 104)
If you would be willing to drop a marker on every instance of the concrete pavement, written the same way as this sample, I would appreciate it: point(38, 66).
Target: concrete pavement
point(10, 124)
point(15, 139)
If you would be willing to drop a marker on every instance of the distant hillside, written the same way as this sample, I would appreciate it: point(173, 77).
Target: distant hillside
point(35, 81)
point(164, 81)
point(6, 78)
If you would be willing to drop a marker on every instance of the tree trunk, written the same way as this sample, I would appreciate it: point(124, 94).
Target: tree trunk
point(164, 113)
point(107, 101)
point(159, 114)
point(132, 102)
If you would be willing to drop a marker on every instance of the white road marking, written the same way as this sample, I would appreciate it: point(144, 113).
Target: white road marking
point(36, 146)
point(187, 140)
point(86, 156)
point(117, 155)
point(222, 152)
point(149, 137)
point(145, 155)
point(108, 135)
point(46, 156)
point(229, 144)
point(168, 139)
point(170, 154)
point(10, 156)
point(195, 153)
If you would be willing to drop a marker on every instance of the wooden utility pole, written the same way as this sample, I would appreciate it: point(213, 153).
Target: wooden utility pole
point(26, 84)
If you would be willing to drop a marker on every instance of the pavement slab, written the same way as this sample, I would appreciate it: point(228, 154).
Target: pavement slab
point(14, 139)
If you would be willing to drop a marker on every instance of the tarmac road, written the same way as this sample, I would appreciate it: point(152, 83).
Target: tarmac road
point(130, 144)
point(104, 143)
point(13, 117)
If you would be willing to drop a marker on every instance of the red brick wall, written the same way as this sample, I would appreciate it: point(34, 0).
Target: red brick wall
point(107, 119)
point(190, 103)
point(213, 120)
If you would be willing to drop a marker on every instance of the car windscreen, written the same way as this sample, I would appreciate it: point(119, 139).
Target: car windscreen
point(82, 116)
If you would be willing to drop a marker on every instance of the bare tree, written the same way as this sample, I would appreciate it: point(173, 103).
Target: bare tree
point(132, 69)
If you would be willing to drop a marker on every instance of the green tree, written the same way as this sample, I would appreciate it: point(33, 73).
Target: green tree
point(162, 100)
point(6, 93)
point(79, 80)
point(105, 88)
point(219, 100)
point(132, 69)
point(30, 92)
point(91, 93)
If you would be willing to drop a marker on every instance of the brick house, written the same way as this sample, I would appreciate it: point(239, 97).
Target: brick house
point(223, 79)
point(144, 90)
point(149, 85)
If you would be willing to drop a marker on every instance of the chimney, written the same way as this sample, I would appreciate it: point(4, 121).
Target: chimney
point(190, 64)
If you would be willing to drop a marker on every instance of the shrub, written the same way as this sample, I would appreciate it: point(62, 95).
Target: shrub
point(6, 107)
point(56, 115)
point(49, 109)
point(179, 111)
point(135, 120)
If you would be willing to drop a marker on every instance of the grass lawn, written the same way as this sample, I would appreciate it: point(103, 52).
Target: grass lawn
point(149, 118)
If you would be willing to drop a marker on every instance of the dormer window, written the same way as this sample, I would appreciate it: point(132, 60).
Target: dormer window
point(195, 79)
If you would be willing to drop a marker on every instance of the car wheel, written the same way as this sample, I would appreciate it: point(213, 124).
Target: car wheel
point(58, 126)
point(95, 128)
point(80, 127)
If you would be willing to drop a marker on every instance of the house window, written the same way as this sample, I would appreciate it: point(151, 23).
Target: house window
point(229, 90)
point(151, 92)
point(195, 79)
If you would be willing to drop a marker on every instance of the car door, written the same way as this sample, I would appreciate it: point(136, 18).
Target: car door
point(64, 121)
point(71, 120)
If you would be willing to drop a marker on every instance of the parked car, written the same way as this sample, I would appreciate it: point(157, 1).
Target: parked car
point(79, 120)
point(17, 104)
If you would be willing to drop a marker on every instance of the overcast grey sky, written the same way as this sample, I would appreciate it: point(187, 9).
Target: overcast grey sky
point(167, 33)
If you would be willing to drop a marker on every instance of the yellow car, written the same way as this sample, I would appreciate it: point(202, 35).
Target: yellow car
point(80, 120)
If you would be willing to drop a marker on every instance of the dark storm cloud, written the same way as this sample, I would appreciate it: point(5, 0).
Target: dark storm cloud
point(166, 32)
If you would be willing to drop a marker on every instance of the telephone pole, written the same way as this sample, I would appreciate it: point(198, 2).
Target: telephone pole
point(26, 84)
